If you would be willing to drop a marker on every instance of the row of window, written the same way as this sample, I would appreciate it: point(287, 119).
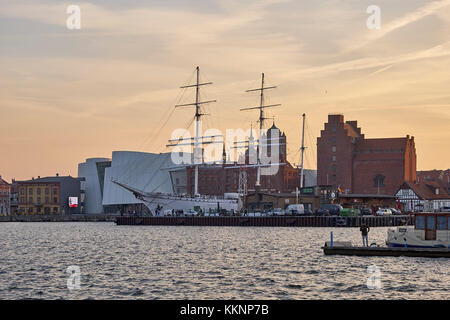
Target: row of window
point(378, 151)
point(38, 191)
point(442, 222)
point(38, 200)
point(46, 210)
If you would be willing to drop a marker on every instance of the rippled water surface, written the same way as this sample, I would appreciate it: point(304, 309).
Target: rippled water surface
point(145, 262)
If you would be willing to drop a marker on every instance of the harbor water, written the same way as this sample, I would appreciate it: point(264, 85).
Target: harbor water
point(182, 262)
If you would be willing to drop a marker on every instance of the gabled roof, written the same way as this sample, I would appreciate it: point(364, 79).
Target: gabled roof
point(3, 182)
point(427, 189)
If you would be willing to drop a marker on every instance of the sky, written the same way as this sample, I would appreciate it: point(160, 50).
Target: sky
point(71, 94)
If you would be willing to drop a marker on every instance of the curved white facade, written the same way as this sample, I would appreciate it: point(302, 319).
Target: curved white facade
point(143, 171)
point(93, 192)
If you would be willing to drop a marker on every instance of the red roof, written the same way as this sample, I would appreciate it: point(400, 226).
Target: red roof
point(427, 189)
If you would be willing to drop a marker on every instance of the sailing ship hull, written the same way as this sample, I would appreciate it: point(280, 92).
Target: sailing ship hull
point(188, 203)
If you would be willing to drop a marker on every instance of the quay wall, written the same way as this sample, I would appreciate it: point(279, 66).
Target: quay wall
point(286, 221)
point(60, 218)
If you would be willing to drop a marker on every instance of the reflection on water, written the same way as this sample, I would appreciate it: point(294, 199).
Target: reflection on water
point(149, 262)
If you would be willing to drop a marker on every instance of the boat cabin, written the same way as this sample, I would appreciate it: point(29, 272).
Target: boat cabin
point(432, 223)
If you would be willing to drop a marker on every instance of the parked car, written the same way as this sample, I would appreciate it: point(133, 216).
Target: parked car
point(365, 212)
point(322, 212)
point(333, 209)
point(295, 209)
point(395, 211)
point(308, 212)
point(384, 212)
point(190, 212)
point(445, 209)
point(349, 212)
point(276, 212)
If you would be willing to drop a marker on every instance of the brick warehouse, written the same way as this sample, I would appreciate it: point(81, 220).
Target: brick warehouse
point(346, 159)
point(224, 178)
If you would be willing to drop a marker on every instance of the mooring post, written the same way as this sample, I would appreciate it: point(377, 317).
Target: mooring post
point(331, 239)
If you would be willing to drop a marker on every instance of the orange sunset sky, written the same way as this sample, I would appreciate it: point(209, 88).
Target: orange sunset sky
point(67, 95)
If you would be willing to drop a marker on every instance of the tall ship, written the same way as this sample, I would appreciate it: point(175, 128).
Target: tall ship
point(164, 203)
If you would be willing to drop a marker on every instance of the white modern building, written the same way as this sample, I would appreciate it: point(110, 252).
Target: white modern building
point(147, 172)
point(93, 184)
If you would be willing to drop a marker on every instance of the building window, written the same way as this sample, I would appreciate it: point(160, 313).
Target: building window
point(333, 148)
point(22, 191)
point(47, 200)
point(55, 191)
point(333, 168)
point(379, 180)
point(47, 191)
point(333, 158)
point(55, 200)
point(30, 200)
point(333, 128)
point(441, 223)
point(333, 177)
point(38, 190)
point(30, 191)
point(333, 139)
point(420, 222)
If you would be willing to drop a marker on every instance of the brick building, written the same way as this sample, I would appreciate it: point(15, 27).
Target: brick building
point(349, 161)
point(224, 178)
point(5, 198)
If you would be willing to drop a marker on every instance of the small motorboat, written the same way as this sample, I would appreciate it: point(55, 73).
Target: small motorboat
point(430, 230)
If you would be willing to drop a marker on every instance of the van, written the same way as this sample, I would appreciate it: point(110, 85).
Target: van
point(295, 209)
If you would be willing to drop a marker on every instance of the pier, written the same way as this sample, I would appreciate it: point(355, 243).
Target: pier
point(280, 221)
point(388, 251)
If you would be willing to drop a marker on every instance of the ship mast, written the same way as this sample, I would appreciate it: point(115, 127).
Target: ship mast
point(303, 150)
point(261, 108)
point(197, 149)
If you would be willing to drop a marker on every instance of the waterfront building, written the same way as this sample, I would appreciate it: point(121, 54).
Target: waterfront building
point(93, 172)
point(353, 164)
point(5, 198)
point(219, 179)
point(148, 172)
point(14, 198)
point(49, 195)
point(263, 201)
point(430, 175)
point(423, 196)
